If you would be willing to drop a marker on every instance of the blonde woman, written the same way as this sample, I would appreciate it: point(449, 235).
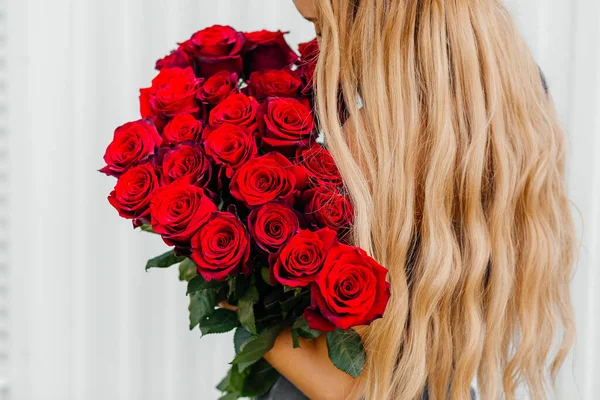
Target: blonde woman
point(455, 165)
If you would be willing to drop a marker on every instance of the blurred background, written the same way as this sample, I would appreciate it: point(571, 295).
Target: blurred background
point(79, 317)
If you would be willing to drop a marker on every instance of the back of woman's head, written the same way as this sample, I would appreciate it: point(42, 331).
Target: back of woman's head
point(455, 166)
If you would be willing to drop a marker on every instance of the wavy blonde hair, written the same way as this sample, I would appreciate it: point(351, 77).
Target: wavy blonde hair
point(455, 167)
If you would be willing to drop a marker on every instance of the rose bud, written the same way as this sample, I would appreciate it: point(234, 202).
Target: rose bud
point(319, 164)
point(267, 50)
point(300, 261)
point(237, 109)
point(326, 207)
point(176, 59)
point(309, 51)
point(182, 128)
point(285, 124)
point(216, 48)
point(306, 70)
point(221, 247)
point(272, 225)
point(178, 210)
point(230, 145)
point(218, 87)
point(132, 144)
point(187, 163)
point(267, 178)
point(173, 92)
point(132, 193)
point(351, 290)
point(273, 83)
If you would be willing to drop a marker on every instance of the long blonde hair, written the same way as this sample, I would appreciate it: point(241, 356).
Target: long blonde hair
point(455, 167)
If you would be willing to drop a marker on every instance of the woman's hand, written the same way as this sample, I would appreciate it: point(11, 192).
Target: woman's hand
point(309, 368)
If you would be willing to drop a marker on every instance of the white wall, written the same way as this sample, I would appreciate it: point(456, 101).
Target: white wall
point(85, 321)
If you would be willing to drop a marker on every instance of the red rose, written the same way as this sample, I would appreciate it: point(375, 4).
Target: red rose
point(327, 207)
point(285, 123)
point(176, 59)
point(132, 193)
point(221, 247)
point(216, 48)
point(319, 165)
point(273, 83)
point(308, 64)
point(178, 210)
point(309, 51)
point(132, 143)
point(272, 225)
point(350, 291)
point(187, 163)
point(267, 178)
point(300, 261)
point(267, 50)
point(218, 86)
point(173, 92)
point(237, 109)
point(230, 145)
point(182, 128)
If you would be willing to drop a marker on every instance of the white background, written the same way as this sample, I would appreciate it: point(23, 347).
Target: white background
point(79, 317)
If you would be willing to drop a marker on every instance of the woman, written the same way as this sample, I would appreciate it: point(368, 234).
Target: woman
point(455, 166)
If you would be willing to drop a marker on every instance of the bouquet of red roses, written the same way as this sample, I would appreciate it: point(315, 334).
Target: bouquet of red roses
point(226, 166)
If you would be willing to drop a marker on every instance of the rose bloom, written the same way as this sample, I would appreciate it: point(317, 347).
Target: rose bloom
point(301, 260)
point(273, 83)
point(319, 165)
point(133, 143)
point(327, 207)
point(132, 193)
point(230, 145)
point(216, 48)
point(176, 59)
point(267, 50)
point(187, 163)
point(218, 87)
point(285, 123)
point(178, 210)
point(272, 225)
point(267, 178)
point(237, 109)
point(351, 290)
point(221, 247)
point(182, 128)
point(173, 92)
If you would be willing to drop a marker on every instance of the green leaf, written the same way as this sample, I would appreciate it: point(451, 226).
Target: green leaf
point(202, 304)
point(295, 341)
point(198, 283)
point(147, 228)
point(224, 384)
point(240, 337)
point(261, 378)
point(164, 260)
point(301, 325)
point(346, 351)
point(187, 270)
point(289, 304)
point(255, 349)
point(246, 309)
point(220, 321)
point(266, 275)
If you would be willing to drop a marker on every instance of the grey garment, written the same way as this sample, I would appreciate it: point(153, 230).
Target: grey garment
point(285, 390)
